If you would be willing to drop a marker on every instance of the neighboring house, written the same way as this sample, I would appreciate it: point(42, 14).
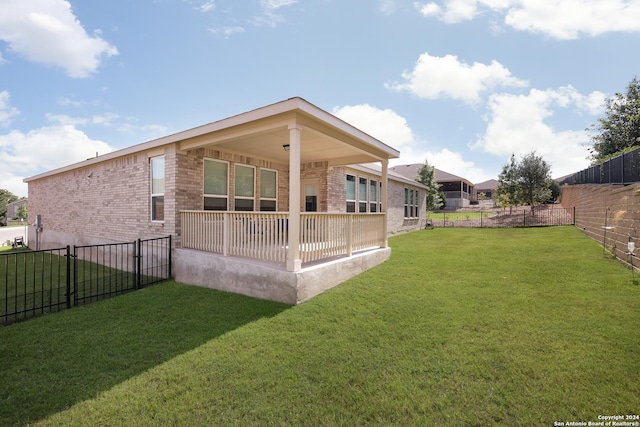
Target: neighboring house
point(280, 202)
point(488, 188)
point(13, 208)
point(459, 192)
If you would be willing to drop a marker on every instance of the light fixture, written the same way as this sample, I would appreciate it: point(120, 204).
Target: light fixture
point(286, 147)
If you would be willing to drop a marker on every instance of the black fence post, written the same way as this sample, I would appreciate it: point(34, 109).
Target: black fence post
point(169, 249)
point(138, 259)
point(68, 280)
point(574, 216)
point(75, 275)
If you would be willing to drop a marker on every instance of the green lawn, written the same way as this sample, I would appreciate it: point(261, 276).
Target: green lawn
point(35, 282)
point(460, 327)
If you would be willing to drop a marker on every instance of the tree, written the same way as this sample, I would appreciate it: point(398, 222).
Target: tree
point(527, 181)
point(426, 177)
point(534, 178)
point(508, 191)
point(6, 197)
point(22, 212)
point(620, 128)
point(555, 189)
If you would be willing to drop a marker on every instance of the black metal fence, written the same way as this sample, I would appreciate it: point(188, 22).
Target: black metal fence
point(36, 282)
point(541, 216)
point(623, 169)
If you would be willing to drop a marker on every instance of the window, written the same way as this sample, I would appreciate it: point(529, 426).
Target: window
point(216, 177)
point(362, 195)
point(351, 193)
point(373, 196)
point(157, 189)
point(411, 203)
point(268, 190)
point(244, 187)
point(366, 196)
point(406, 203)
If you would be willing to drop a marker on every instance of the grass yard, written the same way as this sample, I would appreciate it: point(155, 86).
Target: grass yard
point(35, 282)
point(460, 327)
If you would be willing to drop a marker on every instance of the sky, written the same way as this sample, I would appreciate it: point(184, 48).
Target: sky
point(461, 84)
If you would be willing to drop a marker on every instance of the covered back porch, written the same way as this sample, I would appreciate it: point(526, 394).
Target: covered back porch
point(290, 248)
point(266, 236)
point(291, 232)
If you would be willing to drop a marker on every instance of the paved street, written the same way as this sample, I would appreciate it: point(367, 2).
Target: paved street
point(9, 233)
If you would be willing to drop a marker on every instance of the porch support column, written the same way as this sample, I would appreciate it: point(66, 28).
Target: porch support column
point(385, 182)
point(294, 262)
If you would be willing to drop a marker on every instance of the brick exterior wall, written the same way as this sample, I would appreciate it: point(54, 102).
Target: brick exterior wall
point(396, 222)
point(110, 201)
point(107, 201)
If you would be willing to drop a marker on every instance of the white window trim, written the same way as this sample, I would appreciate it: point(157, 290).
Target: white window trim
point(152, 194)
point(235, 196)
point(355, 193)
point(219, 196)
point(259, 190)
point(412, 205)
point(374, 183)
point(366, 194)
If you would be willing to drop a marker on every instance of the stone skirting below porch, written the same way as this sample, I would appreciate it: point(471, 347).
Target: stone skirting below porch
point(270, 281)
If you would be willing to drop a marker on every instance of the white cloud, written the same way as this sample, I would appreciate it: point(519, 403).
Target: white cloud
point(269, 16)
point(67, 102)
point(560, 19)
point(47, 32)
point(392, 129)
point(568, 19)
point(111, 120)
point(203, 6)
point(428, 9)
point(12, 182)
point(63, 119)
point(387, 7)
point(385, 125)
point(106, 119)
point(516, 124)
point(436, 77)
point(455, 11)
point(7, 112)
point(454, 163)
point(227, 32)
point(26, 154)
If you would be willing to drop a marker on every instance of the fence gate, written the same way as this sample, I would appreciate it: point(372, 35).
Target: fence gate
point(36, 282)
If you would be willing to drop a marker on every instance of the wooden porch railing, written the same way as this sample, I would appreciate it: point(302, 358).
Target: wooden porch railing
point(264, 236)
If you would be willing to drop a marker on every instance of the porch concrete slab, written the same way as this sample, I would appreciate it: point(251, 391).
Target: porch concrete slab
point(270, 281)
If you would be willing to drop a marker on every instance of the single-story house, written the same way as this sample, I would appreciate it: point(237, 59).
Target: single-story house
point(459, 192)
point(281, 202)
point(13, 208)
point(488, 188)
